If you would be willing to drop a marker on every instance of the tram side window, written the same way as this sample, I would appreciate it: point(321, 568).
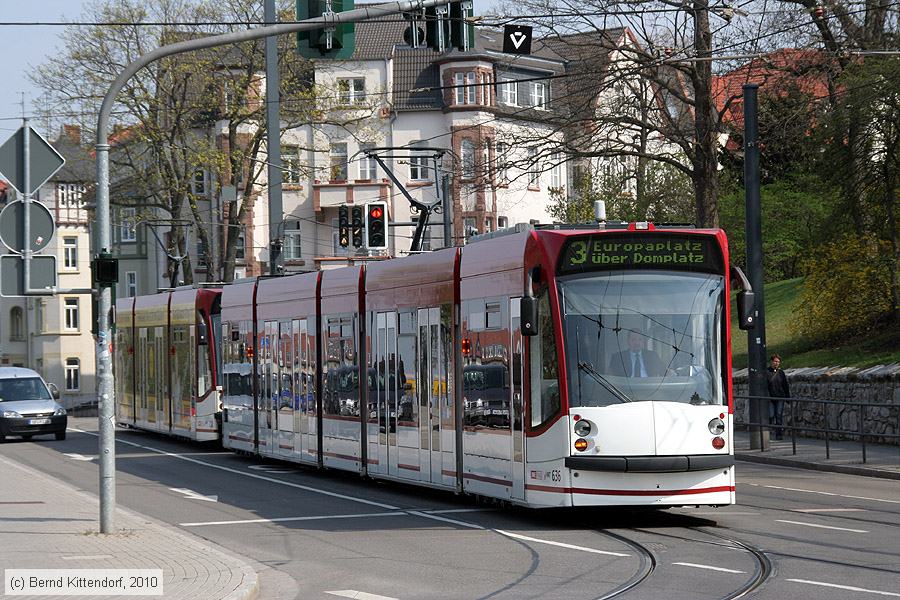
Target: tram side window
point(545, 401)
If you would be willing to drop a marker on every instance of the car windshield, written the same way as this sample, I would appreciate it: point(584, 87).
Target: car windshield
point(15, 390)
point(635, 336)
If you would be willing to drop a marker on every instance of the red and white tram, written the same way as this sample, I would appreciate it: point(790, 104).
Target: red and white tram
point(547, 368)
point(167, 354)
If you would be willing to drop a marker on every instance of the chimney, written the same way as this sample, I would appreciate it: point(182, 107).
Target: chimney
point(73, 133)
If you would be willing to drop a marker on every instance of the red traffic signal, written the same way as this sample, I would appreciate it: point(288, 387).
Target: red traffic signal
point(376, 226)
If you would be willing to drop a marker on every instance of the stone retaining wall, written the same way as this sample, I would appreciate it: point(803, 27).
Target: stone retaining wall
point(879, 386)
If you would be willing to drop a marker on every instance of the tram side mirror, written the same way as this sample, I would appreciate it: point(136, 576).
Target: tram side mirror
point(54, 391)
point(528, 311)
point(746, 302)
point(746, 307)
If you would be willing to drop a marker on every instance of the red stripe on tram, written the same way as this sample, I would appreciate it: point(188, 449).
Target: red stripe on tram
point(601, 492)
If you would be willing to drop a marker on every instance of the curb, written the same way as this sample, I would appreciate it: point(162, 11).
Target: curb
point(813, 466)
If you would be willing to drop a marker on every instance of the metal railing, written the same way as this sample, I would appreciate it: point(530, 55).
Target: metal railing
point(790, 421)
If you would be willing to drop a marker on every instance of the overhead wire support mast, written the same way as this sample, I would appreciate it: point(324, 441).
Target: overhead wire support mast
point(104, 359)
point(424, 209)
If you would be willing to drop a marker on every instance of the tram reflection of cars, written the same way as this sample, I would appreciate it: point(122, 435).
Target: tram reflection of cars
point(486, 394)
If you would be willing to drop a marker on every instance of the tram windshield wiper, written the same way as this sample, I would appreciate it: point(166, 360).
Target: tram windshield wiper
point(590, 370)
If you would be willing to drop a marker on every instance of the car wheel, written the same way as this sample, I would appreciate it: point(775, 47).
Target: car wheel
point(60, 436)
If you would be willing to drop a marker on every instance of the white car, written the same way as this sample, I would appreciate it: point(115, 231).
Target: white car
point(28, 405)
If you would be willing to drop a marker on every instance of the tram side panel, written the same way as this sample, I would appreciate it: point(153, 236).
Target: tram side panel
point(151, 319)
point(411, 411)
point(285, 309)
point(342, 390)
point(238, 349)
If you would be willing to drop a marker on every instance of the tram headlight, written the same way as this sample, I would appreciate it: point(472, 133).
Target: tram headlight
point(716, 426)
point(582, 428)
point(718, 443)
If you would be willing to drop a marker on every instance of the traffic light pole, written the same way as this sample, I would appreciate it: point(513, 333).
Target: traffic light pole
point(273, 147)
point(756, 339)
point(104, 358)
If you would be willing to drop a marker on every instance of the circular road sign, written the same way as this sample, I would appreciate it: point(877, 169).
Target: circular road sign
point(12, 233)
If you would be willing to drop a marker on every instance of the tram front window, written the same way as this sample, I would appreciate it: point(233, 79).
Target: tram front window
point(635, 336)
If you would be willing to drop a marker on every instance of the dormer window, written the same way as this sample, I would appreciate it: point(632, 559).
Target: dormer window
point(539, 94)
point(352, 90)
point(509, 91)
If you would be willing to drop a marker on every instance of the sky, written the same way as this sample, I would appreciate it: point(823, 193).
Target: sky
point(24, 47)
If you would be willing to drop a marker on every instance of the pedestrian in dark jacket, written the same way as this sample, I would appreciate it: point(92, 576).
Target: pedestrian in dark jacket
point(779, 389)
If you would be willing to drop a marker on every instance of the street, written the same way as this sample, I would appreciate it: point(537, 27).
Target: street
point(793, 533)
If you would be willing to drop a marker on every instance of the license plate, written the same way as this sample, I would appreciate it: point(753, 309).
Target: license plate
point(38, 421)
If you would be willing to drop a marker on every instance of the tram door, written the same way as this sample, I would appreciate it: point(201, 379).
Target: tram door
point(142, 373)
point(153, 375)
point(383, 384)
point(435, 405)
point(284, 409)
point(304, 399)
point(268, 386)
point(516, 405)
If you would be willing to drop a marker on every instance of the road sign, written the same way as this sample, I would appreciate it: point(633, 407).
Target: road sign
point(12, 275)
point(43, 160)
point(12, 233)
point(516, 39)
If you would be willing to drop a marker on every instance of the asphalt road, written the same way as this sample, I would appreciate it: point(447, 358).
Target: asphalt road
point(793, 534)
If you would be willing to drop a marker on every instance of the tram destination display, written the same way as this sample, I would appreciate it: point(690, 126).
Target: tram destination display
point(641, 251)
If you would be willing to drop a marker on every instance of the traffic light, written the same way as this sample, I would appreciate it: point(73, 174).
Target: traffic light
point(336, 42)
point(357, 226)
point(376, 225)
point(343, 226)
point(105, 269)
point(450, 26)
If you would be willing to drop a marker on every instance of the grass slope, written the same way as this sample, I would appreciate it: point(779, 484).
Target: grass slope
point(880, 348)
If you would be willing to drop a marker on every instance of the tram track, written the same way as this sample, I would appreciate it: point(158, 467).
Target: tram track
point(762, 570)
point(648, 565)
point(762, 565)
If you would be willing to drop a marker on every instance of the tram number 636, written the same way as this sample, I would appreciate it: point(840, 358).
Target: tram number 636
point(555, 475)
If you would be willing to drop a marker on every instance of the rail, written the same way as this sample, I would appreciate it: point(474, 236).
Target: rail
point(791, 421)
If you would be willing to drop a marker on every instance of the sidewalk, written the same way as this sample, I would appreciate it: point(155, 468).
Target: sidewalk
point(846, 457)
point(46, 524)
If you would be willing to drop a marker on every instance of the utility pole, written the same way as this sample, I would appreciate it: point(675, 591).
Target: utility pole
point(273, 146)
point(756, 338)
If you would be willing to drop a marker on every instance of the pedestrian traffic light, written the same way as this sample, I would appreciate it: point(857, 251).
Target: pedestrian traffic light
point(327, 42)
point(357, 226)
point(376, 226)
point(450, 26)
point(105, 270)
point(343, 226)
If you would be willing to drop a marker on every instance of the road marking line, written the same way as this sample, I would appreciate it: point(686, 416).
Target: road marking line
point(88, 557)
point(696, 566)
point(271, 469)
point(719, 513)
point(787, 489)
point(74, 456)
point(253, 475)
point(287, 519)
point(444, 511)
point(445, 519)
point(821, 526)
point(192, 495)
point(845, 587)
point(560, 544)
point(828, 510)
point(359, 595)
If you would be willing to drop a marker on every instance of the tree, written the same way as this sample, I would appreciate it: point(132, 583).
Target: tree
point(186, 115)
point(643, 92)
